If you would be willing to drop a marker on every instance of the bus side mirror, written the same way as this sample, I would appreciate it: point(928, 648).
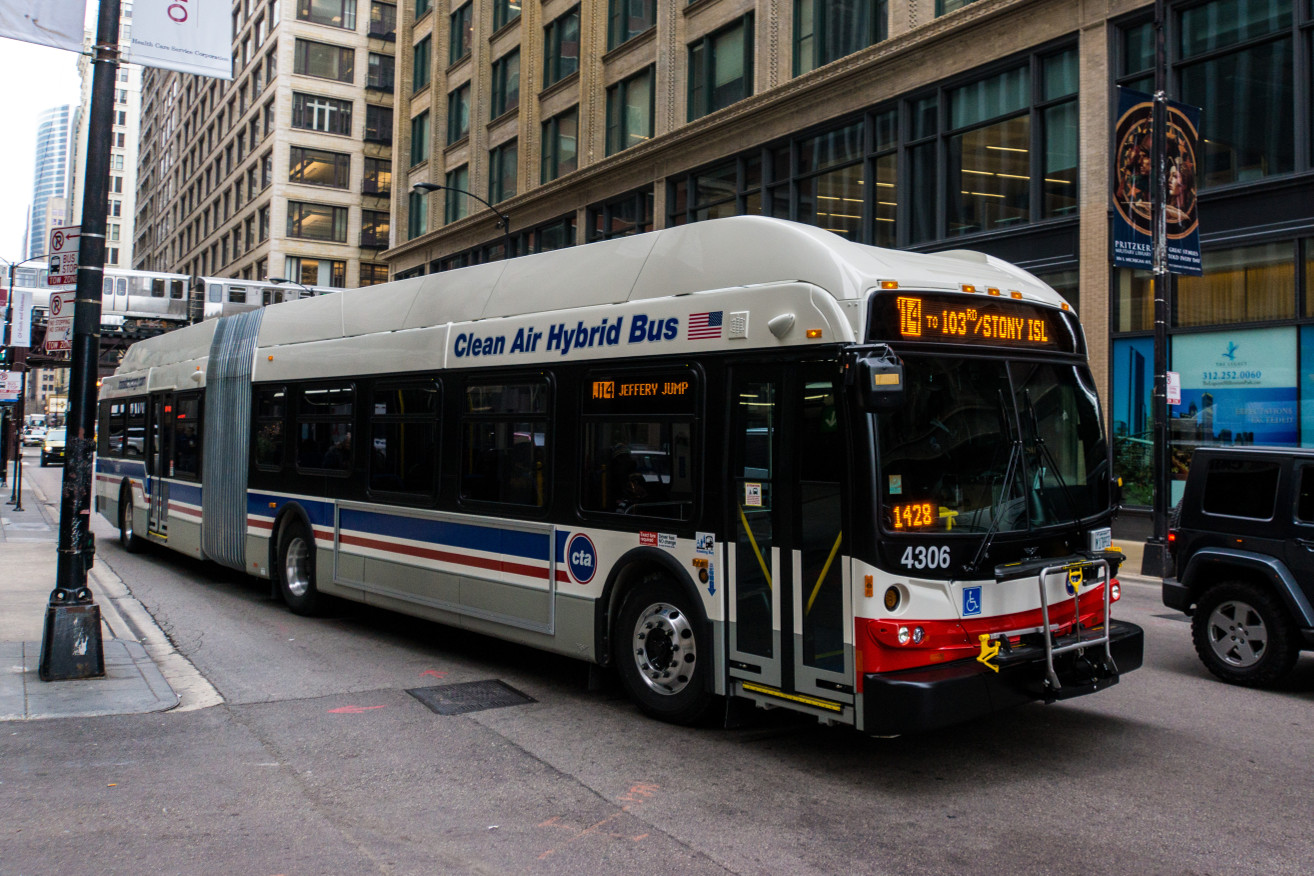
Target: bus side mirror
point(880, 381)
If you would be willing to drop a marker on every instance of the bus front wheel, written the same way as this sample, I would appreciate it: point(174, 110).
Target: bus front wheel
point(659, 642)
point(128, 538)
point(296, 568)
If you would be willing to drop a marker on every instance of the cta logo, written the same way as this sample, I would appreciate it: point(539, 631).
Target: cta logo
point(582, 557)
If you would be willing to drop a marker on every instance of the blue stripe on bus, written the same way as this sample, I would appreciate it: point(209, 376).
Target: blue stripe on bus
point(468, 536)
point(127, 467)
point(189, 493)
point(319, 512)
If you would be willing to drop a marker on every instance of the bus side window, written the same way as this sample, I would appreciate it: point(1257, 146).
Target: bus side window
point(403, 449)
point(270, 407)
point(505, 444)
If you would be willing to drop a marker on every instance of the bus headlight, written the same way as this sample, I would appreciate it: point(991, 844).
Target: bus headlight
point(911, 634)
point(904, 635)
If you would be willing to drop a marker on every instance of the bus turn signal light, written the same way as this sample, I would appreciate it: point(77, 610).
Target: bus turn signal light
point(813, 334)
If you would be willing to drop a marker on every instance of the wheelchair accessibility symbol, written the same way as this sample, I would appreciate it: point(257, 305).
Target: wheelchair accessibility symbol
point(971, 601)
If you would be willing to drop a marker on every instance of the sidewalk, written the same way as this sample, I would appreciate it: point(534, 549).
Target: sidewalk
point(138, 655)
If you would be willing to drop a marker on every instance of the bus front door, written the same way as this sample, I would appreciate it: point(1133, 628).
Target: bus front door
point(157, 464)
point(790, 608)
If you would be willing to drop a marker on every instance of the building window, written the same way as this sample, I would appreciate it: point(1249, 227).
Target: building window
point(373, 229)
point(383, 21)
point(378, 177)
point(316, 222)
point(502, 167)
point(629, 18)
point(381, 72)
point(506, 83)
point(457, 203)
point(423, 64)
point(422, 8)
point(630, 111)
point(721, 68)
point(262, 221)
point(1238, 64)
point(458, 114)
point(731, 188)
point(316, 272)
point(462, 34)
point(825, 30)
point(420, 138)
point(327, 114)
point(560, 144)
point(324, 61)
point(621, 217)
point(417, 215)
point(505, 12)
point(561, 48)
point(373, 275)
point(316, 167)
point(943, 7)
point(378, 124)
point(334, 13)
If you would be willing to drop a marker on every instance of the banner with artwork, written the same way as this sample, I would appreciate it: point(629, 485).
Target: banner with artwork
point(190, 36)
point(1133, 217)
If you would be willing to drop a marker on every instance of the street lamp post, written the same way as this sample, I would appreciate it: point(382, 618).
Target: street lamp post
point(18, 355)
point(503, 220)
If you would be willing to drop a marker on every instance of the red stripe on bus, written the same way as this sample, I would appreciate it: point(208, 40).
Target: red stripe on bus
point(448, 557)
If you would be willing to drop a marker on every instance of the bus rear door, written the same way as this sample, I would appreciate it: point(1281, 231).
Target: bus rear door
point(157, 463)
point(790, 609)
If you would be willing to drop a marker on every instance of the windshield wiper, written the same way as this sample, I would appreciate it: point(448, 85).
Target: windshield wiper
point(1010, 471)
point(1048, 457)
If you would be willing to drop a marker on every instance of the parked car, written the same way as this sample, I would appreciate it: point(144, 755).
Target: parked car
point(1242, 542)
point(52, 448)
point(33, 436)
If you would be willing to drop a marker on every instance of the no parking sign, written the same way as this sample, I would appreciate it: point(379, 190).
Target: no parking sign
point(59, 325)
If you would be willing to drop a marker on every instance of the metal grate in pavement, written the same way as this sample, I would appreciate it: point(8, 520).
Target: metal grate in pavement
point(472, 696)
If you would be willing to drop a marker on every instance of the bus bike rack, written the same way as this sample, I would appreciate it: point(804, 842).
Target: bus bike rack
point(1081, 642)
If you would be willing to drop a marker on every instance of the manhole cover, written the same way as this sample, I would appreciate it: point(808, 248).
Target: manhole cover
point(472, 696)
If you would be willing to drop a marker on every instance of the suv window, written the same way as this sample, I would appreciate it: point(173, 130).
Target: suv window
point(1241, 488)
point(1305, 494)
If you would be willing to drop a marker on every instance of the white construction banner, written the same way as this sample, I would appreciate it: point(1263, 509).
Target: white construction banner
point(190, 36)
point(21, 333)
point(55, 23)
point(11, 384)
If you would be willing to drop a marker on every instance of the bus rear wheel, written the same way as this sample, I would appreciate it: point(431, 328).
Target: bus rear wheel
point(296, 569)
point(659, 642)
point(128, 538)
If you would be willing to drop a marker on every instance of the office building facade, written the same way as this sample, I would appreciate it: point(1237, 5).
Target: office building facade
point(286, 170)
point(916, 124)
point(50, 178)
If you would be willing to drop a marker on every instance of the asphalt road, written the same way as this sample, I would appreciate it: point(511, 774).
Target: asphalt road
point(319, 762)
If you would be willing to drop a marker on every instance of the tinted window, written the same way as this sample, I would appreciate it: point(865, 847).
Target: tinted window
point(1241, 488)
point(504, 443)
point(270, 406)
point(324, 441)
point(404, 439)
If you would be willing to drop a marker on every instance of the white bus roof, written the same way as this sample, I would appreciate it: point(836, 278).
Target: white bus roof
point(718, 254)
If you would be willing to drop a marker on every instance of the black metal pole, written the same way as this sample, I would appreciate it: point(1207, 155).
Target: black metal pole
point(1155, 559)
point(71, 647)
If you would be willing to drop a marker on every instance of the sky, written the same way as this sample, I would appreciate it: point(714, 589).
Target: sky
point(36, 78)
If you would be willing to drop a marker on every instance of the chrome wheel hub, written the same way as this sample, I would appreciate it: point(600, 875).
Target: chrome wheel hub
point(665, 649)
point(296, 567)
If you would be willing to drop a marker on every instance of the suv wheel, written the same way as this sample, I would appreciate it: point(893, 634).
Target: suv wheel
point(1243, 635)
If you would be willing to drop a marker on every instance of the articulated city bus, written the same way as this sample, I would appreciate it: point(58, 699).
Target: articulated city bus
point(743, 458)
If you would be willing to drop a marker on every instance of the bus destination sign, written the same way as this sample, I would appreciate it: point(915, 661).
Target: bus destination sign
point(640, 391)
point(978, 321)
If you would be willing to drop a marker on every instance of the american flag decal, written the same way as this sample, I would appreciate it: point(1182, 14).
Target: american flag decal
point(705, 325)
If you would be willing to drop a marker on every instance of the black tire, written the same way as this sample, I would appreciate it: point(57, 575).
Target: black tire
point(128, 538)
point(44, 462)
point(658, 643)
point(1243, 634)
point(296, 569)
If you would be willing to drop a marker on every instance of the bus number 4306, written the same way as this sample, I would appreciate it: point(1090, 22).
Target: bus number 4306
point(923, 557)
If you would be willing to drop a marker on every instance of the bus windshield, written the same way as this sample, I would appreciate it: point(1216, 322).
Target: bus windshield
point(982, 444)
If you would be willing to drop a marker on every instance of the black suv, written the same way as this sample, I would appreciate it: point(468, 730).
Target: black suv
point(1242, 540)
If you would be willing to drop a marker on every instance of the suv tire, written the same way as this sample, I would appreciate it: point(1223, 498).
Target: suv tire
point(1243, 634)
